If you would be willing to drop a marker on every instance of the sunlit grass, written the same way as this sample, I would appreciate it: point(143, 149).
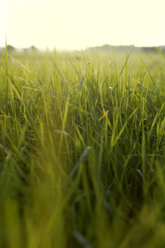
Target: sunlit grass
point(82, 150)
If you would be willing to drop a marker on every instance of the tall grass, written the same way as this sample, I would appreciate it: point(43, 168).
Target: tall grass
point(82, 150)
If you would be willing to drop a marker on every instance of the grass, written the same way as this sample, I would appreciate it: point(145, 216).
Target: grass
point(82, 150)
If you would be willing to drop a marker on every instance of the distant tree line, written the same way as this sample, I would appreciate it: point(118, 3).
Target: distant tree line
point(107, 48)
point(11, 48)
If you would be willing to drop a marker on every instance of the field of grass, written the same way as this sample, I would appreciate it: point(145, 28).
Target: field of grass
point(82, 150)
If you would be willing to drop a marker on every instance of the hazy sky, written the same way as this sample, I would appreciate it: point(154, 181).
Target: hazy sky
point(76, 24)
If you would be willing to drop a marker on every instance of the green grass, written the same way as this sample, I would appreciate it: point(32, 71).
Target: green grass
point(82, 150)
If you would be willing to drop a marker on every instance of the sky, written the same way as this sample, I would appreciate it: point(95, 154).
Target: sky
point(78, 24)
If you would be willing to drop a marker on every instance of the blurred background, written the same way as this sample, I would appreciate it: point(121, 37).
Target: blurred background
point(78, 24)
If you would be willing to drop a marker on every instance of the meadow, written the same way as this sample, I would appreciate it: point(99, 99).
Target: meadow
point(82, 150)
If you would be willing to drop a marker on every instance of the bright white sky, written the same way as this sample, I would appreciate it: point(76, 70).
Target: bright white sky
point(76, 24)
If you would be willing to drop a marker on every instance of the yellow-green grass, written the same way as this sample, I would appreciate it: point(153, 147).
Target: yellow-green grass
point(82, 150)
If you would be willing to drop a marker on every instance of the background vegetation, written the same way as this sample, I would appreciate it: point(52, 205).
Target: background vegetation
point(82, 149)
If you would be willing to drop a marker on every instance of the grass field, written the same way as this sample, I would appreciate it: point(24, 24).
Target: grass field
point(82, 150)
